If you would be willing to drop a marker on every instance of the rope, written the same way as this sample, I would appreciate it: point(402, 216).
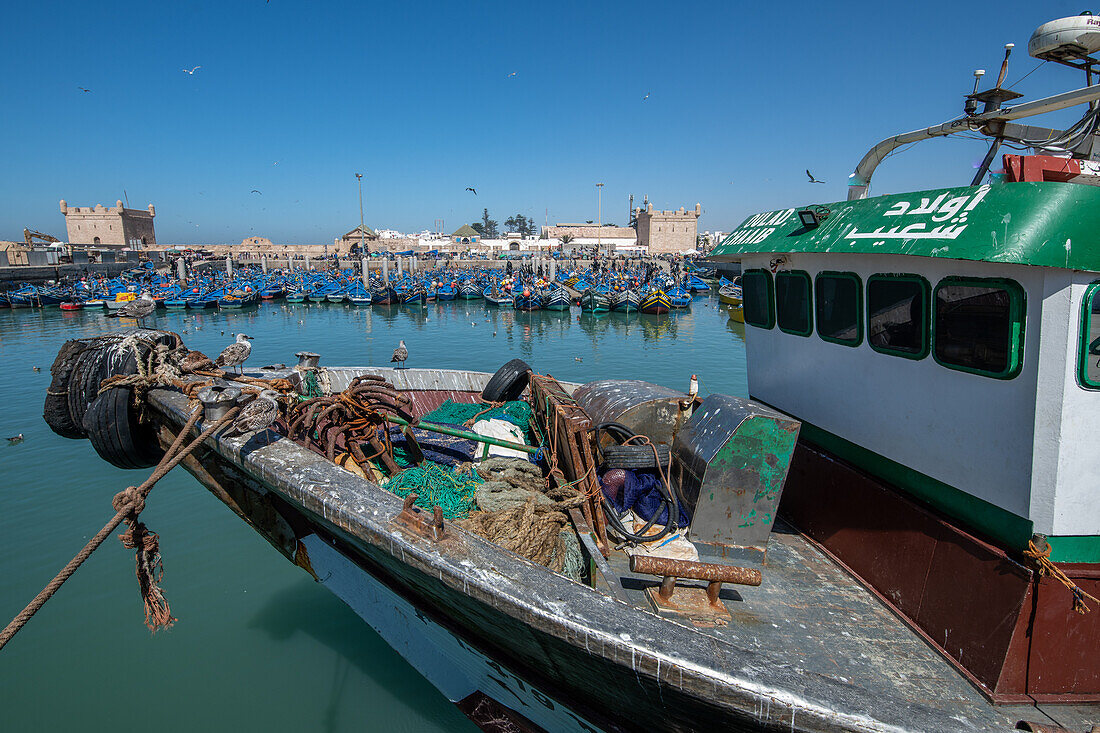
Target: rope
point(434, 485)
point(127, 504)
point(1041, 558)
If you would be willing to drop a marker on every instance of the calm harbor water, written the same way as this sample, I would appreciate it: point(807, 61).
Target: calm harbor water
point(258, 645)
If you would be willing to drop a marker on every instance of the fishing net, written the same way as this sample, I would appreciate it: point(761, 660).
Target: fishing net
point(451, 490)
point(517, 412)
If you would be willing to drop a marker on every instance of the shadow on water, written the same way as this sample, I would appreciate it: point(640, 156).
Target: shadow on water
point(304, 608)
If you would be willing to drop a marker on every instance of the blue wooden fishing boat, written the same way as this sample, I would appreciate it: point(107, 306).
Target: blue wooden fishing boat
point(557, 300)
point(593, 301)
point(655, 303)
point(469, 290)
point(385, 295)
point(238, 299)
point(416, 295)
point(528, 300)
point(624, 301)
point(358, 294)
point(678, 297)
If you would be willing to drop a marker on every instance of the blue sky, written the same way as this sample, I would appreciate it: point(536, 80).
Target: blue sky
point(294, 98)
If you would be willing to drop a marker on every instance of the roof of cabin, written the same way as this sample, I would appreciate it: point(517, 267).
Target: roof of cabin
point(1047, 224)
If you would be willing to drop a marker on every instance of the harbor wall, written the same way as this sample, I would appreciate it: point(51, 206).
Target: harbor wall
point(10, 276)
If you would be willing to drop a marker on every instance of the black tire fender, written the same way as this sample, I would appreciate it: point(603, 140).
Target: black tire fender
point(55, 411)
point(508, 383)
point(636, 456)
point(113, 428)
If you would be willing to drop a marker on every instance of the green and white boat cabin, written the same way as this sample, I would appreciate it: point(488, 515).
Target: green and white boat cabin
point(942, 350)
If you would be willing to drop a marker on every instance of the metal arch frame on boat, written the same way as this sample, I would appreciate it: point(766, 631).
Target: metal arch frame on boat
point(837, 275)
point(809, 302)
point(1016, 314)
point(926, 336)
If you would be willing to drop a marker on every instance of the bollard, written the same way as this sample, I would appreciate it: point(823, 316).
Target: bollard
point(366, 274)
point(229, 265)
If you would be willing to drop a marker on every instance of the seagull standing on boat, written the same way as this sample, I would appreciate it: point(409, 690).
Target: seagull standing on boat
point(258, 414)
point(139, 309)
point(236, 353)
point(400, 354)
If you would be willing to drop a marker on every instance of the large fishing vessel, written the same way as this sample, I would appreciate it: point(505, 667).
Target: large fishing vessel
point(895, 533)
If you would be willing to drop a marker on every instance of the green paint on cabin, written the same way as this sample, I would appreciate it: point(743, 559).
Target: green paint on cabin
point(1045, 224)
point(1004, 527)
point(1075, 548)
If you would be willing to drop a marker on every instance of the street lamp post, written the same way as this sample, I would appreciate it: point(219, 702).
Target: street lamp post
point(362, 228)
point(599, 219)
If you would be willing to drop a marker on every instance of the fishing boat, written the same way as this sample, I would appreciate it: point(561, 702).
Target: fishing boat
point(72, 305)
point(238, 298)
point(121, 298)
point(358, 294)
point(274, 292)
point(528, 300)
point(730, 295)
point(385, 295)
point(414, 296)
point(557, 299)
point(593, 301)
point(678, 297)
point(469, 290)
point(625, 301)
point(655, 303)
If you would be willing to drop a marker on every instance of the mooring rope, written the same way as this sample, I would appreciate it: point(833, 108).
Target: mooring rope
point(1041, 558)
point(128, 504)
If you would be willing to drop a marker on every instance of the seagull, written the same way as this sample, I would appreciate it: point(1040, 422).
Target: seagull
point(16, 439)
point(83, 89)
point(255, 191)
point(645, 97)
point(258, 414)
point(236, 353)
point(470, 189)
point(37, 368)
point(512, 74)
point(811, 176)
point(577, 358)
point(400, 354)
point(139, 309)
point(192, 71)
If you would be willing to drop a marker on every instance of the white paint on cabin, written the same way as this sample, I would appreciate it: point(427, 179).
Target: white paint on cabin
point(1021, 444)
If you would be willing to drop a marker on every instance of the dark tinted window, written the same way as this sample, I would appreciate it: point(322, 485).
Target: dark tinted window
point(978, 325)
point(838, 299)
point(756, 298)
point(1089, 360)
point(897, 315)
point(792, 302)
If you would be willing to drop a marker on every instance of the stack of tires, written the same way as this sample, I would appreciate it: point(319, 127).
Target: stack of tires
point(74, 407)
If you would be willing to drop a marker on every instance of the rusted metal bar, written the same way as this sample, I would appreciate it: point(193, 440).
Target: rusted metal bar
point(667, 567)
point(416, 520)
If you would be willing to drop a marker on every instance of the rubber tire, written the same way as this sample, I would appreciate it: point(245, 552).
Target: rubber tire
point(55, 411)
point(508, 383)
point(116, 434)
point(635, 456)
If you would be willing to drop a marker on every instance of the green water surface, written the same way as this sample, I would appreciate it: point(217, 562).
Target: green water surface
point(258, 645)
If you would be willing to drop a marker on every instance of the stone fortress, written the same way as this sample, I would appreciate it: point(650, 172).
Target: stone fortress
point(667, 231)
point(117, 227)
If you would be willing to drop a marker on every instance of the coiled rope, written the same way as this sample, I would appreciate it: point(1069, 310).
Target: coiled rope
point(128, 504)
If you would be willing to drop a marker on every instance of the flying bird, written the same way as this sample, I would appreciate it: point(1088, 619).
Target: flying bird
point(645, 97)
point(236, 353)
point(470, 189)
point(256, 191)
point(192, 71)
point(811, 177)
point(400, 354)
point(512, 74)
point(83, 89)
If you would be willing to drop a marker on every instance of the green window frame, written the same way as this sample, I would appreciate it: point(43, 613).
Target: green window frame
point(926, 293)
point(1085, 341)
point(747, 291)
point(1017, 311)
point(819, 305)
point(808, 311)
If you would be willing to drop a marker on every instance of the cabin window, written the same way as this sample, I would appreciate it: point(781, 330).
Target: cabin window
point(897, 315)
point(1088, 361)
point(756, 298)
point(978, 326)
point(838, 300)
point(792, 303)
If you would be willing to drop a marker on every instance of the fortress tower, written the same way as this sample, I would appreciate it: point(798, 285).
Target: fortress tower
point(109, 227)
point(667, 231)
